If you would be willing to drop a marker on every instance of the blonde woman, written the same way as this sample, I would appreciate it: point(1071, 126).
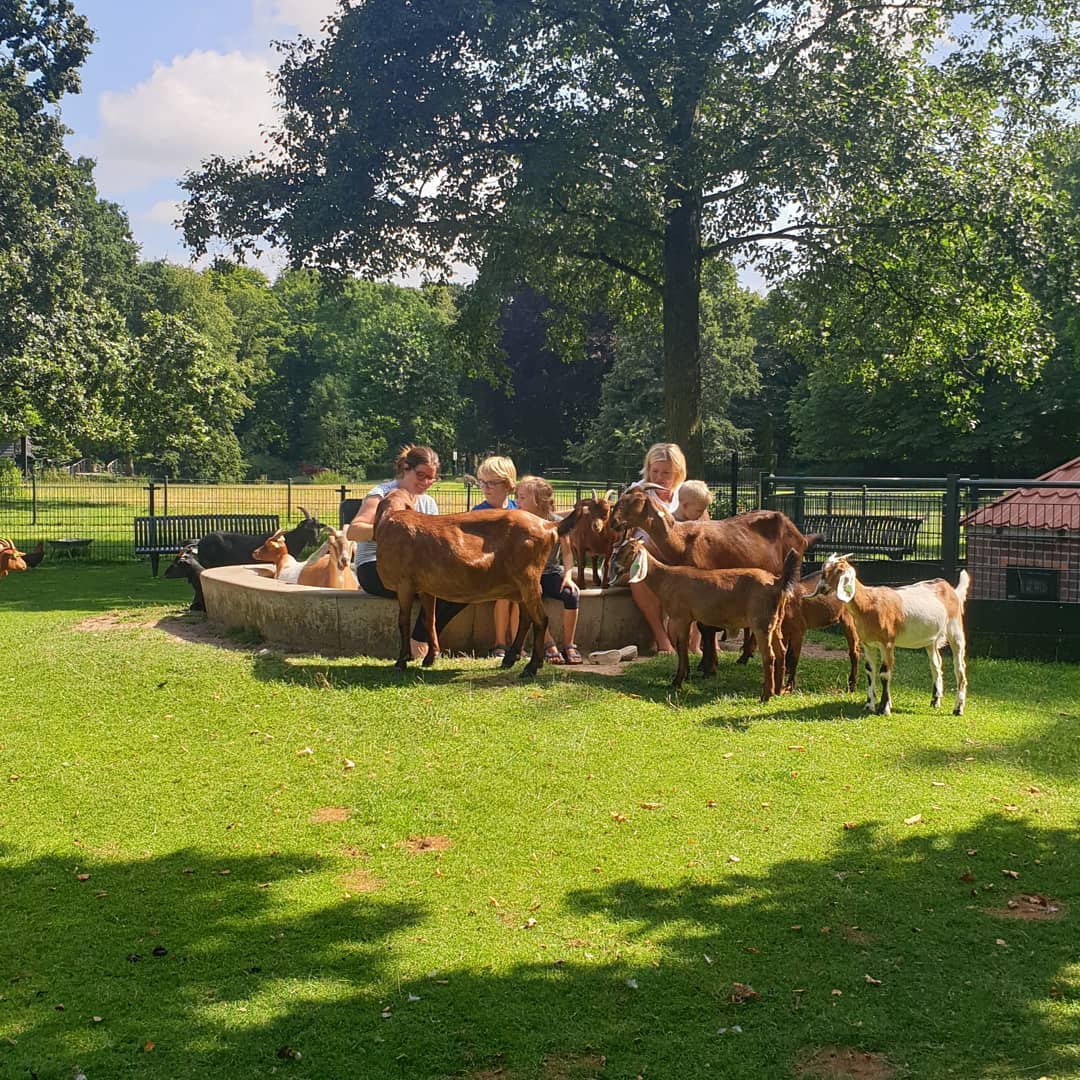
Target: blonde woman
point(664, 466)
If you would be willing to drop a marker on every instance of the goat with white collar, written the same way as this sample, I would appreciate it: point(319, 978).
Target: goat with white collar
point(920, 616)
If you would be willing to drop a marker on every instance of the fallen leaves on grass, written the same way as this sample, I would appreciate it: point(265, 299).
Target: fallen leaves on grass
point(741, 992)
point(915, 819)
point(1032, 907)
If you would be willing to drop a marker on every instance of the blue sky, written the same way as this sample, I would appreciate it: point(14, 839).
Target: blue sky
point(169, 84)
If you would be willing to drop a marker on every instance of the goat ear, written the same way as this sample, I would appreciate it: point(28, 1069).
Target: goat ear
point(639, 567)
point(845, 587)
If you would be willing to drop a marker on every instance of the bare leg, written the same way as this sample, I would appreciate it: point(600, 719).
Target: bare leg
point(649, 606)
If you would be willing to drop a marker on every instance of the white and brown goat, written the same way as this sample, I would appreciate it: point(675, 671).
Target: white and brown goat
point(925, 615)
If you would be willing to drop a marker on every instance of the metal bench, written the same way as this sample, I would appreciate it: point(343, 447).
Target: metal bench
point(871, 534)
point(167, 534)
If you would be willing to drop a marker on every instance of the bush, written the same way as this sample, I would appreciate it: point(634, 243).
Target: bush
point(10, 477)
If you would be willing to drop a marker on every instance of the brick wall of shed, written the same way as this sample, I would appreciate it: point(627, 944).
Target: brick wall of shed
point(990, 552)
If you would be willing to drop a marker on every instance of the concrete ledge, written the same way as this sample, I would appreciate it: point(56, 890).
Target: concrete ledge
point(357, 624)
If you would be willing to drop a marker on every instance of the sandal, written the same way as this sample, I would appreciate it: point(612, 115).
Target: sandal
point(572, 654)
point(499, 652)
point(552, 654)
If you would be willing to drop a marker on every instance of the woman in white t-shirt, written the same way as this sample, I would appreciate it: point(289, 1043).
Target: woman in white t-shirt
point(664, 465)
point(416, 468)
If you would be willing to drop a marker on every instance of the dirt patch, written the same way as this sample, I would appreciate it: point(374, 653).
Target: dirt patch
point(360, 881)
point(1030, 907)
point(417, 845)
point(855, 936)
point(573, 1066)
point(845, 1063)
point(327, 814)
point(113, 620)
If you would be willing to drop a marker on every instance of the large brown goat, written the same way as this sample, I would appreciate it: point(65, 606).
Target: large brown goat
point(465, 558)
point(759, 539)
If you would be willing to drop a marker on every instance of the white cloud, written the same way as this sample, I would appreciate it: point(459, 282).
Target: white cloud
point(304, 15)
point(197, 105)
point(163, 212)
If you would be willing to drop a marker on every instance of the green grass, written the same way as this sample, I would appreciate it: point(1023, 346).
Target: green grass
point(614, 861)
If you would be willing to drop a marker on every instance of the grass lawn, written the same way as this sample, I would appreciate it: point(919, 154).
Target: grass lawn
point(220, 861)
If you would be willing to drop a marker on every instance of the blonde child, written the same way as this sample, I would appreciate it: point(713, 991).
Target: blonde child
point(664, 466)
point(694, 501)
point(498, 479)
point(535, 496)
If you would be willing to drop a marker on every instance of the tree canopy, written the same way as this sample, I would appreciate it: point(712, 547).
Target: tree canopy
point(630, 141)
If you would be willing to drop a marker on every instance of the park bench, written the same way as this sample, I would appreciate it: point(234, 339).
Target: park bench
point(864, 534)
point(167, 534)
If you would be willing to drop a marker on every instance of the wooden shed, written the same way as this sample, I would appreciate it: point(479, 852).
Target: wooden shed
point(1026, 544)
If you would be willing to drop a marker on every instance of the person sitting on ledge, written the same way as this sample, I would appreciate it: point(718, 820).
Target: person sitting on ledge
point(416, 468)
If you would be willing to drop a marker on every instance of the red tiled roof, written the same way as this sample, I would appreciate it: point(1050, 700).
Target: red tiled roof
point(1035, 508)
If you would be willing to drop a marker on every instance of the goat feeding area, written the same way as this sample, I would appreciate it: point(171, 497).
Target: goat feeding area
point(218, 859)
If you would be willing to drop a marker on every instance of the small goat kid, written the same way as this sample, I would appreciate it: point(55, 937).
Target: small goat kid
point(186, 565)
point(11, 558)
point(328, 568)
point(465, 558)
point(719, 598)
point(593, 536)
point(920, 616)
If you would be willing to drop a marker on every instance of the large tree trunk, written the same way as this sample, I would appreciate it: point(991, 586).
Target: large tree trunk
point(682, 326)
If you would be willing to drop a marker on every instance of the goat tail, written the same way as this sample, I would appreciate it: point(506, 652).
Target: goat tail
point(962, 587)
point(789, 576)
point(568, 522)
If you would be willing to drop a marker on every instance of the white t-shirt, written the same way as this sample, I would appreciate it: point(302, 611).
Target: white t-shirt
point(425, 504)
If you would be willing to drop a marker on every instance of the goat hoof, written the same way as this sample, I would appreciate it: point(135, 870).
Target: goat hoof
point(401, 665)
point(958, 711)
point(743, 660)
point(527, 674)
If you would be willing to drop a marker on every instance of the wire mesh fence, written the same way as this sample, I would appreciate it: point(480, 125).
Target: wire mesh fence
point(1020, 539)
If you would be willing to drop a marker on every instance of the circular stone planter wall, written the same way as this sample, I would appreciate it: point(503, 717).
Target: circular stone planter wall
point(357, 624)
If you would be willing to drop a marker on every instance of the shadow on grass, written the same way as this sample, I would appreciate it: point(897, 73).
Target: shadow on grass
point(238, 976)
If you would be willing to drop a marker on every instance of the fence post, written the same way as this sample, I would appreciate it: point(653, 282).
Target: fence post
point(950, 527)
point(765, 489)
point(734, 482)
point(799, 509)
point(33, 497)
point(165, 495)
point(288, 498)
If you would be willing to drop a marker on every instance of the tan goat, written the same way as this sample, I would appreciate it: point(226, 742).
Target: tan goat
point(719, 598)
point(11, 558)
point(920, 616)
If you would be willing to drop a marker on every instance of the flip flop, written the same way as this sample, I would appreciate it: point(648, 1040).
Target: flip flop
point(552, 654)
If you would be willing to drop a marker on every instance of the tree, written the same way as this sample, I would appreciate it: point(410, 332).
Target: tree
point(633, 142)
point(59, 344)
point(630, 398)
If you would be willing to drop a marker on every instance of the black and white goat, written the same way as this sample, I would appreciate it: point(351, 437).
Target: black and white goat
point(920, 616)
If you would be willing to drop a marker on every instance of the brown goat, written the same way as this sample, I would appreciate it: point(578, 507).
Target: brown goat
point(11, 558)
point(593, 536)
point(465, 558)
point(807, 612)
point(719, 598)
point(758, 539)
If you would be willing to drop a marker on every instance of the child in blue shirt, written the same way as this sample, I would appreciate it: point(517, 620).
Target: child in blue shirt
point(498, 478)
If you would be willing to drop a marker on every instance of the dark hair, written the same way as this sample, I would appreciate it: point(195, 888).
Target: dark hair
point(409, 457)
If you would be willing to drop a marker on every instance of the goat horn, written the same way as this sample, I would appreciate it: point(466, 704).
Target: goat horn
point(6, 544)
point(307, 516)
